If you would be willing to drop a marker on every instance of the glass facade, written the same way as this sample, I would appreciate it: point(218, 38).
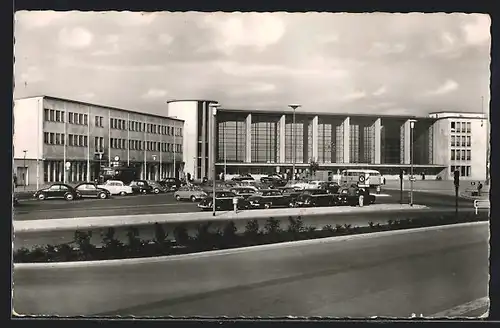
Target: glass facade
point(295, 141)
point(391, 141)
point(330, 140)
point(265, 139)
point(362, 141)
point(422, 143)
point(231, 141)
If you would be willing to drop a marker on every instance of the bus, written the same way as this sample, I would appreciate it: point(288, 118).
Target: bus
point(372, 178)
point(121, 173)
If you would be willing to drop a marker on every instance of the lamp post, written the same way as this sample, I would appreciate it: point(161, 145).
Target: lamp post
point(412, 146)
point(225, 159)
point(214, 116)
point(25, 170)
point(293, 107)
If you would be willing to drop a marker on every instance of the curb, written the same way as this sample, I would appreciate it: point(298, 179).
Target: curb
point(136, 261)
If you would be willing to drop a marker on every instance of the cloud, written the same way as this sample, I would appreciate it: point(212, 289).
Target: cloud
point(88, 95)
point(38, 19)
point(32, 75)
point(380, 91)
point(478, 32)
point(155, 93)
point(327, 62)
point(77, 37)
point(356, 95)
point(245, 30)
point(445, 88)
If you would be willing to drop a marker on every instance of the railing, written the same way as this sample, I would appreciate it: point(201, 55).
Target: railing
point(481, 204)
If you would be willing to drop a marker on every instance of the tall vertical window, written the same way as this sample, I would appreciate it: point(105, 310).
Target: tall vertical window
point(294, 137)
point(231, 141)
point(453, 154)
point(265, 136)
point(354, 143)
point(468, 127)
point(326, 144)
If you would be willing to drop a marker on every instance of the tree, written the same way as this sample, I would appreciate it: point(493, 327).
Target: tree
point(313, 167)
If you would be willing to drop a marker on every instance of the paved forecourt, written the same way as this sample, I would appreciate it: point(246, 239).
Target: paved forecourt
point(435, 271)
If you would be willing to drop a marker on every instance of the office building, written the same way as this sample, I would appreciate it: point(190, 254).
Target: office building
point(57, 140)
point(261, 142)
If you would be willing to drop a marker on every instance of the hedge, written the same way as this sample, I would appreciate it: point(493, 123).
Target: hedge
point(207, 239)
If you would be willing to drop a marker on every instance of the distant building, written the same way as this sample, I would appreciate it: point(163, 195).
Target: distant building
point(50, 131)
point(264, 142)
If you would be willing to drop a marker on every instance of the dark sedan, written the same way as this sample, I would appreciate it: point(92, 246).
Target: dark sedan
point(91, 190)
point(57, 190)
point(223, 201)
point(243, 177)
point(269, 198)
point(141, 187)
point(351, 197)
point(315, 198)
point(171, 184)
point(274, 180)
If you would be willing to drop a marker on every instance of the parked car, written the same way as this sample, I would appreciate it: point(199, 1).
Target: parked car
point(291, 193)
point(332, 187)
point(57, 190)
point(193, 193)
point(244, 192)
point(274, 180)
point(157, 187)
point(116, 187)
point(301, 185)
point(91, 190)
point(347, 198)
point(141, 186)
point(316, 197)
point(242, 177)
point(171, 183)
point(316, 184)
point(223, 201)
point(269, 198)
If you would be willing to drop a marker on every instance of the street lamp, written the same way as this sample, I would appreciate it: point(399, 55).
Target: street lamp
point(214, 116)
point(412, 178)
point(25, 170)
point(293, 107)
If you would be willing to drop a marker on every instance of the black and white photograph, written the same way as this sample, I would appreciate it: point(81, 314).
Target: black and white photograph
point(251, 165)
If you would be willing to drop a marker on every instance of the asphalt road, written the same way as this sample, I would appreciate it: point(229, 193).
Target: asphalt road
point(165, 203)
point(424, 272)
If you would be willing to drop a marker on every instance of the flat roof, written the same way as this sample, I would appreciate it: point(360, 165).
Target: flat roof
point(103, 106)
point(179, 100)
point(281, 112)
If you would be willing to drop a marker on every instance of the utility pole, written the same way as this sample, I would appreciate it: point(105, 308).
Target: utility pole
point(456, 178)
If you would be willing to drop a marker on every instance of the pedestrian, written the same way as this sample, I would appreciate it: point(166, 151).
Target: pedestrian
point(361, 197)
point(479, 188)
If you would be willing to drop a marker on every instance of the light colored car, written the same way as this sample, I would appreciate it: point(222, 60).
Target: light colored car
point(116, 187)
point(193, 193)
point(315, 184)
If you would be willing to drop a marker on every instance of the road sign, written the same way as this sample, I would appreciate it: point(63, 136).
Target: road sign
point(117, 158)
point(68, 166)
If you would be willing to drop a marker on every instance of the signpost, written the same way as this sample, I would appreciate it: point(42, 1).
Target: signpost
point(401, 186)
point(456, 180)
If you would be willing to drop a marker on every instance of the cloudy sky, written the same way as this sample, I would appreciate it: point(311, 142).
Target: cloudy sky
point(360, 63)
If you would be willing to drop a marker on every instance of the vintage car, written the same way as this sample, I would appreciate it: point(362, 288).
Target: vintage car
point(157, 187)
point(274, 180)
point(57, 190)
point(242, 177)
point(315, 198)
point(192, 193)
point(269, 198)
point(223, 201)
point(291, 193)
point(244, 192)
point(116, 187)
point(92, 190)
point(352, 199)
point(171, 183)
point(141, 187)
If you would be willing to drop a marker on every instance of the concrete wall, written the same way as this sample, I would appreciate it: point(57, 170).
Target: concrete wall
point(28, 119)
point(479, 139)
point(441, 146)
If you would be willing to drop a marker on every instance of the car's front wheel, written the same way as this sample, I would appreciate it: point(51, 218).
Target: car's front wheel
point(177, 198)
point(193, 199)
point(42, 197)
point(122, 193)
point(69, 197)
point(267, 205)
point(103, 195)
point(156, 191)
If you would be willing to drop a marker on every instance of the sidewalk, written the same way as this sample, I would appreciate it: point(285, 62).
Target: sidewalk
point(439, 187)
point(137, 220)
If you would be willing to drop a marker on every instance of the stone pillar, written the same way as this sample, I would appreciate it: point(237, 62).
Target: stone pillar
point(407, 142)
point(210, 152)
point(282, 139)
point(347, 134)
point(377, 147)
point(248, 135)
point(203, 142)
point(315, 138)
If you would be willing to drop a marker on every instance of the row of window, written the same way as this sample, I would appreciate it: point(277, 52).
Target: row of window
point(460, 155)
point(465, 170)
point(461, 127)
point(117, 143)
point(74, 140)
point(121, 124)
point(455, 141)
point(54, 115)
